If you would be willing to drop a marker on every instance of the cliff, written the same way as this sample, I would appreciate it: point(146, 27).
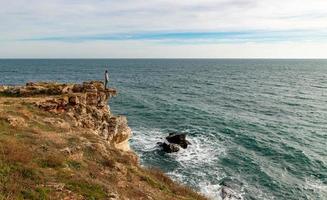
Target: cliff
point(60, 141)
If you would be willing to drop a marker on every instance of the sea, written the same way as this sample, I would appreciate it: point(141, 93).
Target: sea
point(256, 126)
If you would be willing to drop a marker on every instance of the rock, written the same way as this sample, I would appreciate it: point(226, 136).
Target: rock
point(67, 89)
point(169, 148)
point(99, 85)
point(113, 196)
point(66, 151)
point(89, 87)
point(77, 88)
point(53, 88)
point(73, 100)
point(119, 132)
point(178, 138)
point(3, 88)
point(16, 121)
point(173, 142)
point(91, 98)
point(85, 104)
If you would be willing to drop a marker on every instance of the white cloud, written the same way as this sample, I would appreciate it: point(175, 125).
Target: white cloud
point(23, 19)
point(141, 49)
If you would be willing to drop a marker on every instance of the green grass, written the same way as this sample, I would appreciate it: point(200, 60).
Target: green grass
point(4, 94)
point(45, 127)
point(4, 126)
point(74, 164)
point(4, 174)
point(31, 156)
point(88, 190)
point(40, 193)
point(52, 161)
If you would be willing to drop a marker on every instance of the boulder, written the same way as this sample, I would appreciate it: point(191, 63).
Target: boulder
point(91, 98)
point(178, 138)
point(73, 100)
point(77, 88)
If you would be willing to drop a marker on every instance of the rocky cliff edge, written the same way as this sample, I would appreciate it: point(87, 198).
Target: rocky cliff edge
point(85, 104)
point(60, 141)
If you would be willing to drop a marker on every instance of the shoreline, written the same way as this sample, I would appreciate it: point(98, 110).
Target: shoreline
point(75, 141)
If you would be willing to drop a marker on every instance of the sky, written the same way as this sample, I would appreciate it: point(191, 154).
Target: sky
point(163, 29)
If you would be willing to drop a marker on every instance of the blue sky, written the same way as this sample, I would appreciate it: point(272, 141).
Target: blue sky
point(163, 28)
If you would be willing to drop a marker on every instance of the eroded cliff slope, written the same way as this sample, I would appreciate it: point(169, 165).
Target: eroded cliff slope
point(60, 141)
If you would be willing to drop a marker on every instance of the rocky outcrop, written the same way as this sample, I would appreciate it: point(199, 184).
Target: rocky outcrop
point(60, 141)
point(85, 104)
point(179, 139)
point(173, 142)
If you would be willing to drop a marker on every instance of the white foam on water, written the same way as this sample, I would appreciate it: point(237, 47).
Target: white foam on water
point(317, 186)
point(203, 151)
point(146, 140)
point(212, 191)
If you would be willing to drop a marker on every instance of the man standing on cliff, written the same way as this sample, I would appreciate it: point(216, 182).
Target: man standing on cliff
point(106, 79)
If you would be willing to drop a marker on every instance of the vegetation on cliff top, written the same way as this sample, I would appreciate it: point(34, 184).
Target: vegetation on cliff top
point(43, 156)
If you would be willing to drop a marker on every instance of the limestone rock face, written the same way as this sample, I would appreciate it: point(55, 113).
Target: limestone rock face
point(86, 104)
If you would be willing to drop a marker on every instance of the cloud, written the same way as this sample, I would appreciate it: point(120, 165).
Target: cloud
point(163, 21)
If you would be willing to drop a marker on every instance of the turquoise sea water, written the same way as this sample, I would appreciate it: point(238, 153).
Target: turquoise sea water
point(259, 125)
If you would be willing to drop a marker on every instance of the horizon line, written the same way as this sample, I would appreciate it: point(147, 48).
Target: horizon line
point(165, 58)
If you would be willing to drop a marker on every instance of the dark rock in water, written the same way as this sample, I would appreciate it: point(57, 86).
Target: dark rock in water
point(173, 142)
point(169, 148)
point(178, 138)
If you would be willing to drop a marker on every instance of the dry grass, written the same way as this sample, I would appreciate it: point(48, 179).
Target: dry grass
point(31, 156)
point(173, 186)
point(13, 151)
point(52, 160)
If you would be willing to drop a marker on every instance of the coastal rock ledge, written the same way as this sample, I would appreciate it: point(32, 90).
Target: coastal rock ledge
point(86, 104)
point(60, 141)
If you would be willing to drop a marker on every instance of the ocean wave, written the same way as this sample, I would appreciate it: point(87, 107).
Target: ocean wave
point(196, 164)
point(317, 186)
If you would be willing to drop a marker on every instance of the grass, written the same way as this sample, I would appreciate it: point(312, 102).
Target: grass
point(4, 94)
point(174, 187)
point(31, 156)
point(52, 160)
point(44, 127)
point(74, 164)
point(16, 178)
point(13, 151)
point(88, 190)
point(4, 127)
point(40, 193)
